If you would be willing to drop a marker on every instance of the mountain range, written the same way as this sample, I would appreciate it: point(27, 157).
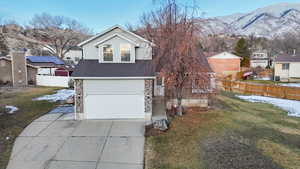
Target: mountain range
point(270, 21)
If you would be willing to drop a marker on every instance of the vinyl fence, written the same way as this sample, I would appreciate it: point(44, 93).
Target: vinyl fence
point(52, 81)
point(277, 91)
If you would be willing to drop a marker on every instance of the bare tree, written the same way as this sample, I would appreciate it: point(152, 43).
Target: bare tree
point(58, 33)
point(176, 53)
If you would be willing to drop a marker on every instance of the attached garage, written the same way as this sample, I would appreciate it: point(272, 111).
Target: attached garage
point(114, 99)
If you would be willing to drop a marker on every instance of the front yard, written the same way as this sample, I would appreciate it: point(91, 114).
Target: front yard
point(11, 125)
point(234, 134)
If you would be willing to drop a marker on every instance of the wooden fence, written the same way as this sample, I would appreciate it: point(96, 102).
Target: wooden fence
point(277, 91)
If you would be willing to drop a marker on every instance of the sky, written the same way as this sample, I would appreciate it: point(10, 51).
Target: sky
point(101, 14)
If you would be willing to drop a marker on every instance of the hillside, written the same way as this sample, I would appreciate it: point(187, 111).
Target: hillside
point(269, 21)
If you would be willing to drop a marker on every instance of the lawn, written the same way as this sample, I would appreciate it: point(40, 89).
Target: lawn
point(11, 125)
point(234, 134)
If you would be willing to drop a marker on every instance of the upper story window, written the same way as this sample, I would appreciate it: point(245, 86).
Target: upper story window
point(285, 66)
point(125, 51)
point(108, 53)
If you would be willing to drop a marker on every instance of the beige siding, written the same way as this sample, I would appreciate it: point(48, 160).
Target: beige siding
point(283, 74)
point(143, 52)
point(295, 70)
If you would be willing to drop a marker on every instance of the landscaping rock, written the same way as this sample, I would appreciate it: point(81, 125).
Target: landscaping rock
point(162, 125)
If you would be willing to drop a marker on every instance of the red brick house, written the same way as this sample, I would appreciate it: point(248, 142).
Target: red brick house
point(225, 64)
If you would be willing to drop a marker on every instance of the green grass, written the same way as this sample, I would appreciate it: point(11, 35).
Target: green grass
point(12, 125)
point(257, 134)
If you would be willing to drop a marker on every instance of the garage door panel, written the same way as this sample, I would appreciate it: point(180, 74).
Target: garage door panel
point(113, 86)
point(114, 106)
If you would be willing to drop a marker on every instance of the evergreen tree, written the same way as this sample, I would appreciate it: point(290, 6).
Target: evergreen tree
point(241, 49)
point(4, 50)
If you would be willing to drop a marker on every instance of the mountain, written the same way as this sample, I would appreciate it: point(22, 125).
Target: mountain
point(269, 21)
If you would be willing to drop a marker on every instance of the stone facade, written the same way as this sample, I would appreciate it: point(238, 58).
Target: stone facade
point(78, 84)
point(148, 95)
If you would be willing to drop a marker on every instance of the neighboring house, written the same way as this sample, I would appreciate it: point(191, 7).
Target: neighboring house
point(225, 64)
point(73, 55)
point(260, 59)
point(115, 79)
point(287, 68)
point(46, 64)
point(14, 70)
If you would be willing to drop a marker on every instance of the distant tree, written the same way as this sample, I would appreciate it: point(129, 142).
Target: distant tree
point(242, 49)
point(58, 33)
point(4, 50)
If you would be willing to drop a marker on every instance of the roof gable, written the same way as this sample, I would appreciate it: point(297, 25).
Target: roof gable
point(225, 55)
point(116, 35)
point(111, 29)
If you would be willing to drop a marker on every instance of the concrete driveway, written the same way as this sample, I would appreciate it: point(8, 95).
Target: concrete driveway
point(56, 141)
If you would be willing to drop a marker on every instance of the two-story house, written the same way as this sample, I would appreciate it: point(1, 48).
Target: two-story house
point(114, 80)
point(260, 59)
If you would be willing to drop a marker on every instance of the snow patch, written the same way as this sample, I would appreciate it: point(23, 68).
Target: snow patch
point(12, 109)
point(290, 84)
point(63, 94)
point(291, 106)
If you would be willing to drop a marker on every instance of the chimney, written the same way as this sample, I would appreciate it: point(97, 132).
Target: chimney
point(294, 52)
point(19, 69)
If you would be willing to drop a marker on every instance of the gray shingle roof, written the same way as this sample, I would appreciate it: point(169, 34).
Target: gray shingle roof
point(287, 58)
point(92, 68)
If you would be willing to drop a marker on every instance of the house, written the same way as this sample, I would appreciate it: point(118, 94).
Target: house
point(14, 70)
point(46, 64)
point(115, 78)
point(73, 55)
point(287, 68)
point(225, 64)
point(260, 59)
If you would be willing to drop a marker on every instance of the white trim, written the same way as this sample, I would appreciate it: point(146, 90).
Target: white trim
point(111, 78)
point(112, 28)
point(112, 36)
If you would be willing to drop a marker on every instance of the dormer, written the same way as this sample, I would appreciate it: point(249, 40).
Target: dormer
point(117, 45)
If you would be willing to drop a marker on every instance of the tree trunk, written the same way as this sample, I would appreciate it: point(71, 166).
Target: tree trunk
point(179, 107)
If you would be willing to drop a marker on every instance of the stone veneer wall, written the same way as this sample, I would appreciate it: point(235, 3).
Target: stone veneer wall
point(148, 95)
point(79, 99)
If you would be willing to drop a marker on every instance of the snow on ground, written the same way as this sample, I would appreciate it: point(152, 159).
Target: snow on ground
point(291, 84)
point(63, 94)
point(291, 106)
point(12, 109)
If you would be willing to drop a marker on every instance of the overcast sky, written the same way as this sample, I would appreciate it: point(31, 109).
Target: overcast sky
point(100, 14)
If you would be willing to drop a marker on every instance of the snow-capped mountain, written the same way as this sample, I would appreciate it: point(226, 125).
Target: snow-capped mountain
point(269, 21)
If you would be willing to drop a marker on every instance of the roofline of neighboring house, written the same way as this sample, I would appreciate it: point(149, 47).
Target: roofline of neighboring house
point(110, 78)
point(286, 61)
point(29, 65)
point(213, 56)
point(109, 29)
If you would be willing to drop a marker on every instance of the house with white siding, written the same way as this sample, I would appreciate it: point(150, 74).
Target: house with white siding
point(287, 68)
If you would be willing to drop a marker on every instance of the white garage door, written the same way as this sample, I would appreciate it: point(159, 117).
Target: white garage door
point(114, 99)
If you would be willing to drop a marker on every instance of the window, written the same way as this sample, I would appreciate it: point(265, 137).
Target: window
point(285, 66)
point(125, 52)
point(107, 53)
